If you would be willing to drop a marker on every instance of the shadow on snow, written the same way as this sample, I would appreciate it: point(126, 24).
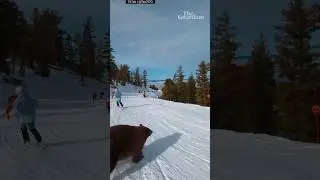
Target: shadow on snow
point(151, 152)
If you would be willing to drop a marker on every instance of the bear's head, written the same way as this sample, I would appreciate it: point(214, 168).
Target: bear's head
point(147, 131)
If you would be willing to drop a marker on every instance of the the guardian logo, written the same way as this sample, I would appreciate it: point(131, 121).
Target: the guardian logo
point(188, 15)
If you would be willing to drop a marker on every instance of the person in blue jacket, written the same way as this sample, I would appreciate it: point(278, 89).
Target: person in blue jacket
point(24, 108)
point(118, 97)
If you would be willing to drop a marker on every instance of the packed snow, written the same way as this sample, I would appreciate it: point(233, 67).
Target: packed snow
point(73, 130)
point(75, 136)
point(179, 147)
point(247, 156)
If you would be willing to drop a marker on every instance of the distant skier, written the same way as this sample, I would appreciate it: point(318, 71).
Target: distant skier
point(144, 94)
point(24, 108)
point(118, 97)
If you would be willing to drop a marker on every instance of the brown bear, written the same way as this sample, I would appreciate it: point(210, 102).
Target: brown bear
point(127, 141)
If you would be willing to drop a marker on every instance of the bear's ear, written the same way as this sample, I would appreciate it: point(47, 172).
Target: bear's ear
point(140, 125)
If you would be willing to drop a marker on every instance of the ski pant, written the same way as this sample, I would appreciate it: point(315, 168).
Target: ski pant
point(119, 102)
point(33, 130)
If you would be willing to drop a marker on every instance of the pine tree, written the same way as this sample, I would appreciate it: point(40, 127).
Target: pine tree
point(100, 66)
point(262, 86)
point(129, 75)
point(123, 74)
point(13, 34)
point(293, 43)
point(36, 39)
point(79, 56)
point(46, 40)
point(224, 44)
point(89, 47)
point(191, 90)
point(180, 85)
point(137, 77)
point(169, 90)
point(152, 86)
point(145, 79)
point(109, 60)
point(69, 52)
point(203, 84)
point(59, 48)
point(297, 64)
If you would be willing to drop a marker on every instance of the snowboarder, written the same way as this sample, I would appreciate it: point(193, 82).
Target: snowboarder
point(24, 108)
point(118, 97)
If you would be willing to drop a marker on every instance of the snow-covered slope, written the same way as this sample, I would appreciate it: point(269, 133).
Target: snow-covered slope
point(178, 149)
point(247, 156)
point(74, 132)
point(131, 90)
point(60, 85)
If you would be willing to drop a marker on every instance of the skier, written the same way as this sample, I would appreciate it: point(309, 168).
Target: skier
point(118, 97)
point(24, 108)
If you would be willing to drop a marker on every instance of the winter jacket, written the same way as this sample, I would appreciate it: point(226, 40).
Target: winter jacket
point(25, 107)
point(118, 94)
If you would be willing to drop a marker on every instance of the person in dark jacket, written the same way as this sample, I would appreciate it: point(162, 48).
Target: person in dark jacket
point(24, 108)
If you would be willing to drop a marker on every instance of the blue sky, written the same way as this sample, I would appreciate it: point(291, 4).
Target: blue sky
point(152, 37)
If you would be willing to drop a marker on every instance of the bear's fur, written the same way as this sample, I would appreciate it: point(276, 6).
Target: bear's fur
point(127, 141)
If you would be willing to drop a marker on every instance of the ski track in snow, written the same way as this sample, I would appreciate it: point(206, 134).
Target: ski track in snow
point(74, 133)
point(179, 147)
